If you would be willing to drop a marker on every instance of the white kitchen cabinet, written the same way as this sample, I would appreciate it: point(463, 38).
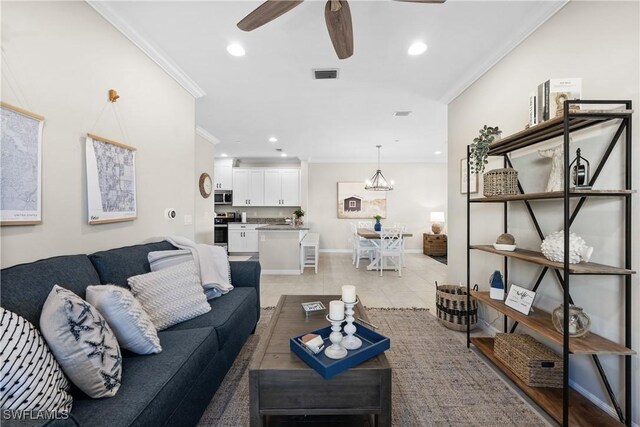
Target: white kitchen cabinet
point(282, 187)
point(243, 237)
point(223, 175)
point(248, 187)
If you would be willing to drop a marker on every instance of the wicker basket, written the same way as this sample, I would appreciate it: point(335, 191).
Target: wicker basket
point(533, 362)
point(451, 303)
point(500, 182)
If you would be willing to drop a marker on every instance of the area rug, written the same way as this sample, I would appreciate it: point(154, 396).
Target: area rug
point(436, 380)
point(440, 259)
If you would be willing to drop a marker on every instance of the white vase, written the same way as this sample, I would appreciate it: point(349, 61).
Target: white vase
point(553, 248)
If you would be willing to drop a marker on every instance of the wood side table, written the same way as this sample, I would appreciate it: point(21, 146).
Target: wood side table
point(434, 244)
point(280, 383)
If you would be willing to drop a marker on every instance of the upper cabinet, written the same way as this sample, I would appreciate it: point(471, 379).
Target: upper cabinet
point(248, 187)
point(223, 174)
point(266, 187)
point(282, 187)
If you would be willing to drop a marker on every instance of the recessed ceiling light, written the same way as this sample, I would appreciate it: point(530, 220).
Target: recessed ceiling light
point(283, 154)
point(437, 153)
point(235, 49)
point(223, 155)
point(273, 139)
point(417, 48)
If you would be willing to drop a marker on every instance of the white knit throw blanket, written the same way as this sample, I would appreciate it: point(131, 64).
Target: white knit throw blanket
point(211, 261)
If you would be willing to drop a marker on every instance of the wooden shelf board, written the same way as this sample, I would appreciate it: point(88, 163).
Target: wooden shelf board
point(549, 195)
point(553, 128)
point(537, 258)
point(540, 322)
point(581, 411)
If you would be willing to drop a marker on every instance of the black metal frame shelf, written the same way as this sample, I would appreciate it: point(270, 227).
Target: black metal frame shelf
point(571, 121)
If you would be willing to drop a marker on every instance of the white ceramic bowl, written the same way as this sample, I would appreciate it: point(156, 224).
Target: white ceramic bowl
point(502, 247)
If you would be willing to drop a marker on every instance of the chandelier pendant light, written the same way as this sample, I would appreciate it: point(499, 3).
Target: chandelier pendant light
point(378, 182)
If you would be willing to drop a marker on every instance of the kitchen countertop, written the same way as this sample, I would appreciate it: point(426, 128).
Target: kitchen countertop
point(283, 227)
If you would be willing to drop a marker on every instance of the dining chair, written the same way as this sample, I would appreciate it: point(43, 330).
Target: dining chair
point(361, 247)
point(390, 248)
point(365, 224)
point(403, 229)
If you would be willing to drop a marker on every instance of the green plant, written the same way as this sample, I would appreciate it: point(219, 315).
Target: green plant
point(377, 217)
point(479, 150)
point(298, 213)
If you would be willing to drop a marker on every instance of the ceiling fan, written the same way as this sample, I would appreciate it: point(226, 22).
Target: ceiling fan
point(336, 13)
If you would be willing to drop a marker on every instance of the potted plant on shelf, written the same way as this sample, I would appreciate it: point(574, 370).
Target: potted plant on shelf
point(479, 150)
point(377, 226)
point(298, 213)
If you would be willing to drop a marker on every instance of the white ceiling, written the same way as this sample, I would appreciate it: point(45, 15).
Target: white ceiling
point(270, 91)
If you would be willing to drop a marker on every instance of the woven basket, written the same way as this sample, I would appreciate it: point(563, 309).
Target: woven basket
point(500, 182)
point(451, 307)
point(533, 362)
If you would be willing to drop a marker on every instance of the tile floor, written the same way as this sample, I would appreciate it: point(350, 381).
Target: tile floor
point(416, 287)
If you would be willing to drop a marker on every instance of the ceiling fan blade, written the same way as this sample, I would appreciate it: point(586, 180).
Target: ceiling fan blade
point(267, 12)
point(423, 1)
point(339, 27)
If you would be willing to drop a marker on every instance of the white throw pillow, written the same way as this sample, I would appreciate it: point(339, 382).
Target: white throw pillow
point(130, 323)
point(170, 296)
point(30, 378)
point(82, 342)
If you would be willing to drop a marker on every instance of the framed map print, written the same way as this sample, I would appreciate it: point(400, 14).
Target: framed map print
point(20, 166)
point(111, 181)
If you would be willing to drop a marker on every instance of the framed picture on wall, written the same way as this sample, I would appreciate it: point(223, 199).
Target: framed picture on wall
point(111, 180)
point(356, 202)
point(463, 178)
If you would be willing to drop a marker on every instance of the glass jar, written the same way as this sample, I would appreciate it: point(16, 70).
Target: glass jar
point(579, 322)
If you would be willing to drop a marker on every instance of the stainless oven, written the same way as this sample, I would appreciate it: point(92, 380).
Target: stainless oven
point(222, 197)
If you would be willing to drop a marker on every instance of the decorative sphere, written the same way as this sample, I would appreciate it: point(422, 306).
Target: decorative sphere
point(506, 239)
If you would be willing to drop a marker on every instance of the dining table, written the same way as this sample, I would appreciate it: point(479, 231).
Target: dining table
point(374, 237)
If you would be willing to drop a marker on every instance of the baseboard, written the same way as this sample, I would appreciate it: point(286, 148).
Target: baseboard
point(492, 331)
point(336, 251)
point(281, 272)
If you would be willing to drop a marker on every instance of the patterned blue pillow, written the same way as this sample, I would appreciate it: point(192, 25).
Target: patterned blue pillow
point(82, 342)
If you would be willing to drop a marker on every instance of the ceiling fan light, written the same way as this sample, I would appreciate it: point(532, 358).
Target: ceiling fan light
point(235, 49)
point(417, 48)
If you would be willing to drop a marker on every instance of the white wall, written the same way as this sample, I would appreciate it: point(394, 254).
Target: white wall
point(203, 220)
point(598, 41)
point(64, 58)
point(419, 189)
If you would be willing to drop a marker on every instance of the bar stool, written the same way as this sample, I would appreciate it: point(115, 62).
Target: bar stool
point(309, 251)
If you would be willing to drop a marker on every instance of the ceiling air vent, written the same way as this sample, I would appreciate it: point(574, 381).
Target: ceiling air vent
point(402, 113)
point(324, 74)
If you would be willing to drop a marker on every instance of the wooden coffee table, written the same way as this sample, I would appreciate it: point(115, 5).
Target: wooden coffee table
point(281, 383)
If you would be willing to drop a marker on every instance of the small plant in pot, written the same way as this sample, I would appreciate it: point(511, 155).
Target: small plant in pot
point(479, 150)
point(298, 213)
point(377, 226)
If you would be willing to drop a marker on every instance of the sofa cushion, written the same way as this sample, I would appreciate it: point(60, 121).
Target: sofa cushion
point(25, 287)
point(232, 313)
point(117, 265)
point(152, 385)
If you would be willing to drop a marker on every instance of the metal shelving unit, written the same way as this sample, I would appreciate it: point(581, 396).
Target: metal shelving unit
point(565, 405)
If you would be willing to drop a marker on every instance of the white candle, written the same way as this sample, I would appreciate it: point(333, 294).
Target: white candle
point(336, 310)
point(349, 293)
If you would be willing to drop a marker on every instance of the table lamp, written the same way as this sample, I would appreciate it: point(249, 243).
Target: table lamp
point(437, 218)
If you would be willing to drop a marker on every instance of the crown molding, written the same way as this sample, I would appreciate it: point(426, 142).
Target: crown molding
point(547, 10)
point(202, 132)
point(155, 53)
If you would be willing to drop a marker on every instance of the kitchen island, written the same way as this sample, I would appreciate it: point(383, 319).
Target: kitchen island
point(279, 247)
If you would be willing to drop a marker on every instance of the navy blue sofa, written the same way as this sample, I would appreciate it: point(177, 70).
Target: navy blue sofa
point(170, 388)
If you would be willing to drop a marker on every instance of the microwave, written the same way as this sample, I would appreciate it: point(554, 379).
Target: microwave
point(222, 197)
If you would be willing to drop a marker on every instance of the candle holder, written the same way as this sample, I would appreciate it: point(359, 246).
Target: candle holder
point(350, 342)
point(335, 350)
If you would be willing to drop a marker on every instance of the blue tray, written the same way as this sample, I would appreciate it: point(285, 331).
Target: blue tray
point(373, 344)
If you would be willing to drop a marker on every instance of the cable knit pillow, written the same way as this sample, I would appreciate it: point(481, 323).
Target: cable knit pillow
point(30, 378)
point(131, 325)
point(82, 342)
point(172, 295)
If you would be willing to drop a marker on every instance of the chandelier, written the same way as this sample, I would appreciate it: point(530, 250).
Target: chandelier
point(378, 182)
